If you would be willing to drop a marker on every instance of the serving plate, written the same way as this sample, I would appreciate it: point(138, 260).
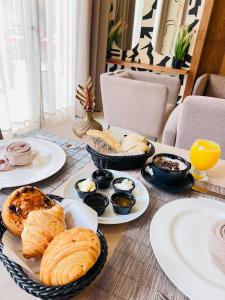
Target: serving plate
point(109, 216)
point(62, 292)
point(179, 238)
point(48, 160)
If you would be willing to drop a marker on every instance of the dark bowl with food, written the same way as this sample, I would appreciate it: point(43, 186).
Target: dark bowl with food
point(80, 193)
point(97, 201)
point(117, 185)
point(122, 202)
point(102, 178)
point(169, 168)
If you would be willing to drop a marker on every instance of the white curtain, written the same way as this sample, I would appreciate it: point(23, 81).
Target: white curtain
point(38, 61)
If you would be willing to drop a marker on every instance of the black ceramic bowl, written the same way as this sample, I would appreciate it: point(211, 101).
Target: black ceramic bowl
point(118, 205)
point(119, 180)
point(102, 178)
point(97, 201)
point(168, 176)
point(80, 193)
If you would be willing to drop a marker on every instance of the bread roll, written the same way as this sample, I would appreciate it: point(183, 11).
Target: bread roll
point(40, 228)
point(102, 141)
point(134, 142)
point(18, 205)
point(69, 256)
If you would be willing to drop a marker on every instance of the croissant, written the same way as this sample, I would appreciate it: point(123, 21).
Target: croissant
point(18, 205)
point(69, 256)
point(40, 228)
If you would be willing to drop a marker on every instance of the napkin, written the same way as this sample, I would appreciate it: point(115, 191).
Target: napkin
point(216, 244)
point(77, 214)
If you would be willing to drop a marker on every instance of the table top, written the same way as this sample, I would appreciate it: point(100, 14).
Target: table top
point(113, 233)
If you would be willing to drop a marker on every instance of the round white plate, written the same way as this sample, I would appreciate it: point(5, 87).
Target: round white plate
point(179, 237)
point(109, 216)
point(49, 159)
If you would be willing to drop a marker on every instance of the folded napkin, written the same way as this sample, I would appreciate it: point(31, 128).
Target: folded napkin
point(217, 244)
point(19, 154)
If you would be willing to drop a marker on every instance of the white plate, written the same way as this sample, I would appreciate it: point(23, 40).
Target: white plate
point(179, 237)
point(49, 159)
point(109, 216)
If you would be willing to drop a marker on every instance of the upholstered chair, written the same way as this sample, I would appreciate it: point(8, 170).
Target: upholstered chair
point(197, 117)
point(210, 85)
point(139, 101)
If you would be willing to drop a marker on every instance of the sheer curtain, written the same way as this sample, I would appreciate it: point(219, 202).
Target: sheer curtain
point(38, 62)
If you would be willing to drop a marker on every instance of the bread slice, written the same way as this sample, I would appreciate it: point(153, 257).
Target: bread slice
point(106, 138)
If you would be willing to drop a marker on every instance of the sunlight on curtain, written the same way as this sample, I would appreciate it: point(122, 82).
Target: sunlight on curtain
point(37, 62)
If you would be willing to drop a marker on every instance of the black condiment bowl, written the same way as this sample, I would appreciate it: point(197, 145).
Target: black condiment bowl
point(122, 210)
point(97, 201)
point(169, 176)
point(80, 193)
point(102, 178)
point(119, 180)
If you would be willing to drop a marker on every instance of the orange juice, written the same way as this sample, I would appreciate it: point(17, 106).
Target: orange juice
point(204, 154)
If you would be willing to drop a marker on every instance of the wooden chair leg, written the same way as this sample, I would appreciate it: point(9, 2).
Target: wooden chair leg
point(1, 136)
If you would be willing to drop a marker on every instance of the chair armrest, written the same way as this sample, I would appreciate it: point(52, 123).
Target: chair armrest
point(133, 104)
point(170, 130)
point(200, 85)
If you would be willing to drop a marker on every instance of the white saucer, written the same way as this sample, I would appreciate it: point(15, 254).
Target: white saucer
point(109, 216)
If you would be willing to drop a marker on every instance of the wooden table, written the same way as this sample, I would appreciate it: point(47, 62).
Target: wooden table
point(113, 233)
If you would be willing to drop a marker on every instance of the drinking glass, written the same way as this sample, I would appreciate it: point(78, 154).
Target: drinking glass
point(204, 154)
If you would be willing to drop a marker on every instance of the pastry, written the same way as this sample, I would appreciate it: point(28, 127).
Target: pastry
point(102, 141)
point(69, 256)
point(18, 205)
point(216, 244)
point(40, 228)
point(19, 154)
point(134, 142)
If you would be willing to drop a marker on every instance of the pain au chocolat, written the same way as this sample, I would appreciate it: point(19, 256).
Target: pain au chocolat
point(18, 205)
point(69, 256)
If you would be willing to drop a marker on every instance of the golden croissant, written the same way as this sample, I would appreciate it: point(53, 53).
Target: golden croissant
point(40, 228)
point(69, 256)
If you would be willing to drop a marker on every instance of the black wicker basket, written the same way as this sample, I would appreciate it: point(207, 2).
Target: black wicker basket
point(120, 162)
point(53, 293)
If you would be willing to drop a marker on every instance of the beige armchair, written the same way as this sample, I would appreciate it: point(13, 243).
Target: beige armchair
point(138, 101)
point(197, 117)
point(210, 85)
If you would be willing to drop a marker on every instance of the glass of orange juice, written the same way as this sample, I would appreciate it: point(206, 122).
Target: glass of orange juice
point(204, 154)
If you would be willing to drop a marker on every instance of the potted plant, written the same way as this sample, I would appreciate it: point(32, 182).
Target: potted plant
point(114, 32)
point(86, 96)
point(181, 46)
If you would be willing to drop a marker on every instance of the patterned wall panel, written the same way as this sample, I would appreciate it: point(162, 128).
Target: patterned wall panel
point(143, 52)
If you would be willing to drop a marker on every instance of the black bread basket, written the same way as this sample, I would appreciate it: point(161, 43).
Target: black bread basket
point(52, 293)
point(103, 161)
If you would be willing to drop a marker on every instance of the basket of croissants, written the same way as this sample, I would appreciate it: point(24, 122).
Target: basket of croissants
point(109, 153)
point(69, 258)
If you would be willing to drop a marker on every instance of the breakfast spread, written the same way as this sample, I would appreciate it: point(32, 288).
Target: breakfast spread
point(216, 244)
point(104, 143)
point(40, 228)
point(87, 185)
point(124, 185)
point(170, 164)
point(16, 208)
point(74, 251)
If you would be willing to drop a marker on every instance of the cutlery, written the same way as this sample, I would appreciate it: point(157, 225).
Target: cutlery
point(208, 192)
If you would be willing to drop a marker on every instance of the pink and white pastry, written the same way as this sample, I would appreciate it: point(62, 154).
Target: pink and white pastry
point(217, 244)
point(19, 154)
